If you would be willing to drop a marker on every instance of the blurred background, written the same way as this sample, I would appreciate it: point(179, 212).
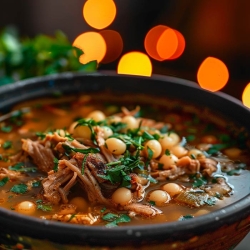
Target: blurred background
point(214, 28)
point(210, 27)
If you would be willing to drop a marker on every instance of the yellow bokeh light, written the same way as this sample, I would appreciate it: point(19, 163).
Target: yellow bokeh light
point(246, 96)
point(135, 63)
point(212, 74)
point(93, 46)
point(99, 14)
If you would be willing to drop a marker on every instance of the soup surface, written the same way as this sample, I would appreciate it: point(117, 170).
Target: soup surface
point(102, 160)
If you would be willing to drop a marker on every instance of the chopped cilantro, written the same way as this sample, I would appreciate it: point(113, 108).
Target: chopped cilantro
point(68, 149)
point(43, 207)
point(186, 217)
point(19, 188)
point(147, 136)
point(7, 144)
point(6, 129)
point(115, 219)
point(152, 203)
point(4, 181)
point(198, 180)
point(21, 168)
point(56, 162)
point(211, 201)
point(167, 152)
point(36, 184)
point(150, 153)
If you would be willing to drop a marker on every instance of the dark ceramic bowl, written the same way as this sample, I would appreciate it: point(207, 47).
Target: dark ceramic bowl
point(222, 229)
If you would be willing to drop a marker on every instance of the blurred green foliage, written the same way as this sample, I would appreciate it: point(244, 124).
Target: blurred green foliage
point(22, 58)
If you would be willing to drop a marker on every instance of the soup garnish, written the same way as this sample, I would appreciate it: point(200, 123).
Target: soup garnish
point(80, 161)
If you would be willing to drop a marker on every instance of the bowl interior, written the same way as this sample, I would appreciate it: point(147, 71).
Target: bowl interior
point(131, 86)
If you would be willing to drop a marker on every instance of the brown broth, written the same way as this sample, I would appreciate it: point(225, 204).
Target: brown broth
point(187, 121)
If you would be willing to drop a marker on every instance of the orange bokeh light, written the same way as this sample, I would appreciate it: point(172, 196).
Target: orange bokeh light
point(151, 40)
point(167, 44)
point(164, 43)
point(181, 45)
point(93, 46)
point(212, 74)
point(99, 14)
point(246, 96)
point(114, 45)
point(135, 63)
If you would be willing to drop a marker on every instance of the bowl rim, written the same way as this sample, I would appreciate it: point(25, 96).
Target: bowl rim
point(210, 221)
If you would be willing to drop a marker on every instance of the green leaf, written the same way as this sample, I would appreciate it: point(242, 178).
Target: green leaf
point(186, 217)
point(19, 188)
point(7, 144)
point(80, 150)
point(115, 219)
point(43, 207)
point(4, 181)
point(6, 129)
point(21, 168)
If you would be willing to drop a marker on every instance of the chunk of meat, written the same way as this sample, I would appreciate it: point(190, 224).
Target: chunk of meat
point(87, 180)
point(85, 219)
point(192, 198)
point(42, 156)
point(208, 166)
point(142, 209)
point(57, 184)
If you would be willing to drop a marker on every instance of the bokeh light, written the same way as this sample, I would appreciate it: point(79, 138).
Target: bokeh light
point(93, 46)
point(114, 45)
point(181, 45)
point(99, 14)
point(212, 74)
point(164, 43)
point(151, 40)
point(135, 63)
point(167, 44)
point(246, 96)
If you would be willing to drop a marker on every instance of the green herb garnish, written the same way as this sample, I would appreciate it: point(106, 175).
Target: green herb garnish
point(19, 188)
point(4, 181)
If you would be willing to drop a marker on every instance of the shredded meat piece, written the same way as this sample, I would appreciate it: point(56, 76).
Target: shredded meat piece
point(55, 137)
point(208, 166)
point(220, 189)
point(137, 188)
point(85, 219)
point(87, 180)
point(12, 175)
point(67, 209)
point(53, 185)
point(192, 165)
point(42, 156)
point(126, 112)
point(142, 209)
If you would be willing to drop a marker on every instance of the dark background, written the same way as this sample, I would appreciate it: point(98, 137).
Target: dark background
point(210, 27)
point(219, 28)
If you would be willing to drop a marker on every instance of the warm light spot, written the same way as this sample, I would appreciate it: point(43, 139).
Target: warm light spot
point(181, 45)
point(93, 46)
point(151, 40)
point(167, 44)
point(135, 63)
point(246, 96)
point(114, 45)
point(164, 43)
point(212, 74)
point(99, 14)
